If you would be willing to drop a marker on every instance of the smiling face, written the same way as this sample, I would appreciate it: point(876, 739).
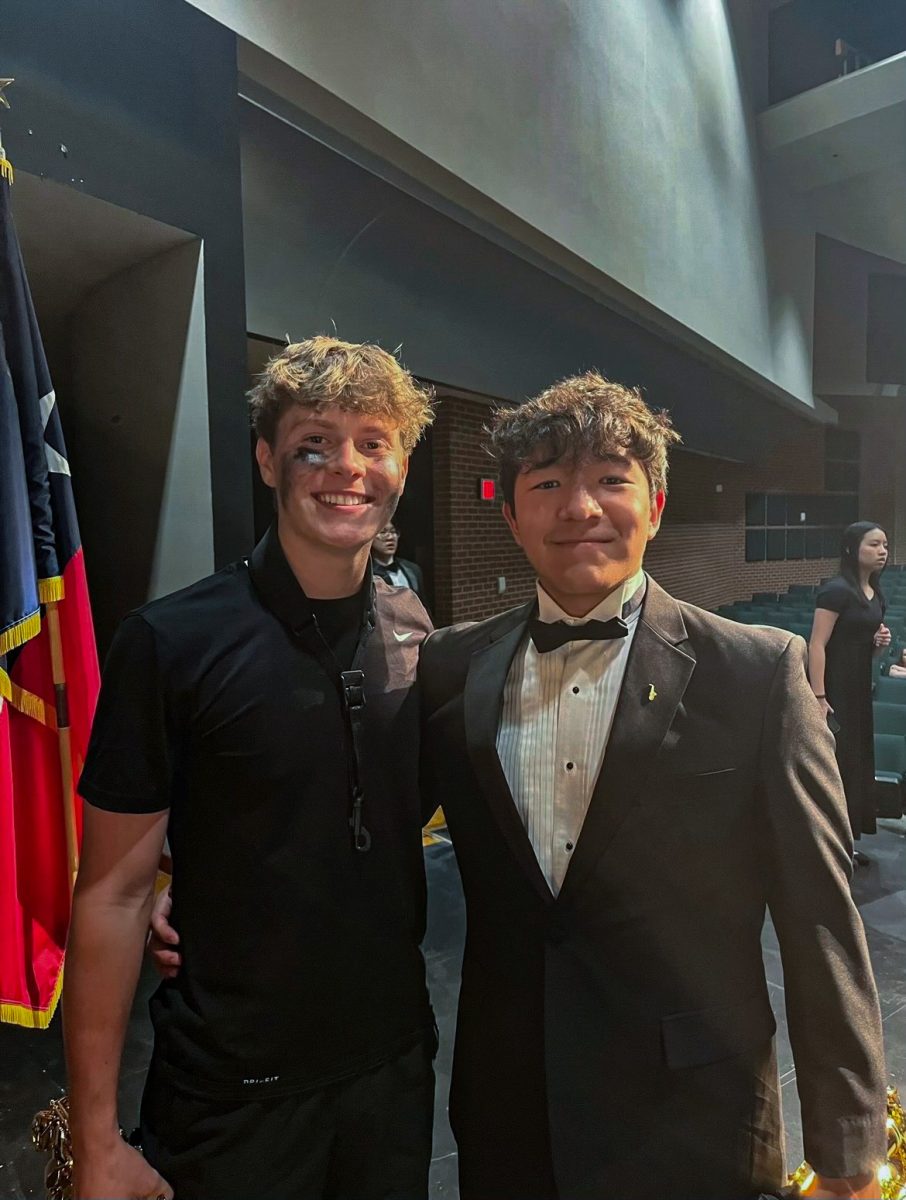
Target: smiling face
point(337, 475)
point(584, 526)
point(873, 551)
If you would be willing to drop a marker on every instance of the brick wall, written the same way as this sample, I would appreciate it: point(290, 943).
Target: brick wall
point(880, 421)
point(472, 544)
point(698, 555)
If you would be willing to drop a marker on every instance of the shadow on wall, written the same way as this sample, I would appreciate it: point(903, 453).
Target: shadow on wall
point(119, 299)
point(140, 447)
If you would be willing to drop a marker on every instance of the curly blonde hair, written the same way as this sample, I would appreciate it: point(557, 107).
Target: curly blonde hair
point(585, 416)
point(358, 377)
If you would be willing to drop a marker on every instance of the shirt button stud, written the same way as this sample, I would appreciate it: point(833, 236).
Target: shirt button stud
point(569, 766)
point(569, 845)
point(575, 691)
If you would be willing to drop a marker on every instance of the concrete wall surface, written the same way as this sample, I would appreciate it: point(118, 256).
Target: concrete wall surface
point(841, 318)
point(621, 132)
point(140, 394)
point(136, 105)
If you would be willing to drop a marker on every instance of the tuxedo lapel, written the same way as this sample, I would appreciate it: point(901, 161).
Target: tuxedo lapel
point(482, 703)
point(659, 659)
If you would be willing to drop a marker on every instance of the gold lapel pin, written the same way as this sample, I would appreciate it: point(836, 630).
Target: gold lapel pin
point(652, 694)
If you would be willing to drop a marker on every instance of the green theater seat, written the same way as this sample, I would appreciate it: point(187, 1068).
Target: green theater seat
point(890, 691)
point(890, 718)
point(890, 765)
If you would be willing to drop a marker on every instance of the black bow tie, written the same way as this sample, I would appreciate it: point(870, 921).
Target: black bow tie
point(550, 635)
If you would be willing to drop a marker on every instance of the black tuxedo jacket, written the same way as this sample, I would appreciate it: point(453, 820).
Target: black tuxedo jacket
point(411, 570)
point(618, 1041)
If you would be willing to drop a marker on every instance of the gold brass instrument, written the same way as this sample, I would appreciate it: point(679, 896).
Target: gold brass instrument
point(50, 1133)
point(891, 1174)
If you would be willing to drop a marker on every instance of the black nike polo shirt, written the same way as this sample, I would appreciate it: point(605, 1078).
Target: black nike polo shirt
point(301, 959)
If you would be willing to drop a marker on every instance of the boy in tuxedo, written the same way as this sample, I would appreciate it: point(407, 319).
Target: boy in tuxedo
point(630, 783)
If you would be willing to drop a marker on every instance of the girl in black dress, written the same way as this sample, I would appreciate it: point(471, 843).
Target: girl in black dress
point(848, 627)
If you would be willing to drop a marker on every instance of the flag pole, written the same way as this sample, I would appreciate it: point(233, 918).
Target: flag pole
point(63, 736)
point(6, 167)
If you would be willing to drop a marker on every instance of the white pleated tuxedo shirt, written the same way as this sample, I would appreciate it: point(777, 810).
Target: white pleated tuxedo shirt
point(555, 723)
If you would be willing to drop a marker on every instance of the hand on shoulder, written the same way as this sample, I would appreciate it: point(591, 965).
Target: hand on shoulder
point(163, 938)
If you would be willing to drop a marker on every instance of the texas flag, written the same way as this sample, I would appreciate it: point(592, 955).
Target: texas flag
point(48, 662)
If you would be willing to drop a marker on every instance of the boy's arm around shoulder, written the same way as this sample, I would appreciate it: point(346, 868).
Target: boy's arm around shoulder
point(443, 665)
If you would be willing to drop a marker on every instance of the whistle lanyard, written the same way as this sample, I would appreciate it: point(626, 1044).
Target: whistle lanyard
point(350, 687)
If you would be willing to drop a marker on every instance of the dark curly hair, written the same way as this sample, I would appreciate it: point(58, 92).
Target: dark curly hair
point(585, 416)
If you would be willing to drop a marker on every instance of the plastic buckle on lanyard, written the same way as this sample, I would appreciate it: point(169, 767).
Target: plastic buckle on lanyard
point(353, 683)
point(353, 689)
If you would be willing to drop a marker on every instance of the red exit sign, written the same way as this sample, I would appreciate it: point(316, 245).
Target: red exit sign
point(487, 489)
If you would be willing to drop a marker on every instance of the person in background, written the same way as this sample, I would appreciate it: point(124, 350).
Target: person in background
point(848, 627)
point(398, 572)
point(898, 669)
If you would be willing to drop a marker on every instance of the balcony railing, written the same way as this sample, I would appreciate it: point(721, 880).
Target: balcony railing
point(849, 58)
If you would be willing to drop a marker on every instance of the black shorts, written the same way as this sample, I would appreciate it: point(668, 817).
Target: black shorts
point(367, 1137)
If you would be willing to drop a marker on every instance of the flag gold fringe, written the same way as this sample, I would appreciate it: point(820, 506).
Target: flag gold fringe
point(30, 705)
point(438, 821)
point(6, 170)
point(27, 703)
point(50, 589)
point(20, 633)
point(32, 1018)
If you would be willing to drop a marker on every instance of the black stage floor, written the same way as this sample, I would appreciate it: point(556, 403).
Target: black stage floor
point(31, 1063)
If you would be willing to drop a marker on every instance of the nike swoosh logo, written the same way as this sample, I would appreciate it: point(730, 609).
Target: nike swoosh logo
point(402, 637)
